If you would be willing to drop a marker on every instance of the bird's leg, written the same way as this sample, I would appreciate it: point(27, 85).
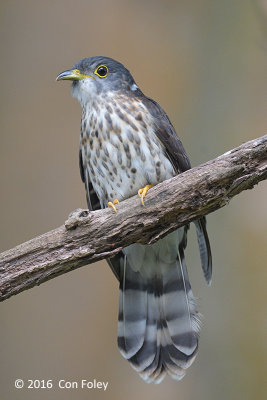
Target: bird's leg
point(143, 191)
point(112, 204)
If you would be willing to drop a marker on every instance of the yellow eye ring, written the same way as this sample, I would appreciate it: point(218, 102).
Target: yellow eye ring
point(101, 71)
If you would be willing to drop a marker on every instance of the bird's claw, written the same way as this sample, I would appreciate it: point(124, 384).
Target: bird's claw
point(112, 204)
point(143, 191)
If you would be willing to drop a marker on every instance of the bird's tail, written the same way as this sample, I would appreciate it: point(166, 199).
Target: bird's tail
point(158, 324)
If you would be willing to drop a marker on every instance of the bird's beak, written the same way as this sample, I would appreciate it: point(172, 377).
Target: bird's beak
point(72, 75)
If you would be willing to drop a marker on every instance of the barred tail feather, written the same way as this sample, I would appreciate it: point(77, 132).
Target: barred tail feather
point(158, 324)
point(131, 326)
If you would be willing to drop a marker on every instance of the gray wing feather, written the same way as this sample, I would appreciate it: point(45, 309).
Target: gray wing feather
point(204, 248)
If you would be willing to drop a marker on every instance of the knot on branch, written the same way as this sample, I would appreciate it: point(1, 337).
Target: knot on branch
point(76, 218)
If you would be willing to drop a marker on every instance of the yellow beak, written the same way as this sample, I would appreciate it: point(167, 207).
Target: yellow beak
point(72, 75)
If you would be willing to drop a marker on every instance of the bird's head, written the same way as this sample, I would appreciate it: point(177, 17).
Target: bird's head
point(98, 76)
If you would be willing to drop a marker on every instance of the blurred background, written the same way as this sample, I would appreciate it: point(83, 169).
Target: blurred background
point(204, 62)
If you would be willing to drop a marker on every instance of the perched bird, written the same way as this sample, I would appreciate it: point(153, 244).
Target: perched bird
point(127, 145)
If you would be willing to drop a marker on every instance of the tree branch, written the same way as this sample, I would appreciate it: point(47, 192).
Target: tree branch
point(88, 237)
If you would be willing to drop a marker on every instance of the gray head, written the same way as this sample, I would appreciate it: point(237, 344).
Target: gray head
point(96, 76)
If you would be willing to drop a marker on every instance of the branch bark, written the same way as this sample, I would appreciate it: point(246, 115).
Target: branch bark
point(88, 237)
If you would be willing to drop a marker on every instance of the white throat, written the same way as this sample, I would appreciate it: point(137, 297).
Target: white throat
point(85, 91)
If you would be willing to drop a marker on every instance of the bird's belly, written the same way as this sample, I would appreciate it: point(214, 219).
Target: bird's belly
point(120, 164)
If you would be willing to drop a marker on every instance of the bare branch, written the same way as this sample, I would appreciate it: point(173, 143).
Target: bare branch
point(89, 237)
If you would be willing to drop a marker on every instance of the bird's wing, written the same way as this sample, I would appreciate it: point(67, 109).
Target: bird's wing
point(91, 196)
point(94, 204)
point(167, 135)
point(180, 161)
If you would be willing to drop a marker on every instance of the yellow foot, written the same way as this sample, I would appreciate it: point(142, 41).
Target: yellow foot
point(142, 192)
point(112, 205)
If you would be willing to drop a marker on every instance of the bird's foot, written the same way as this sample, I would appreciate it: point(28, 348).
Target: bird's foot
point(143, 191)
point(112, 204)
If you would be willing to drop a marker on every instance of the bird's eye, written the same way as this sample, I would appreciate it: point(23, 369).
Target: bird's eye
point(101, 71)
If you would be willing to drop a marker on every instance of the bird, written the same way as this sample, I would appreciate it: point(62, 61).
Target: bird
point(128, 145)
